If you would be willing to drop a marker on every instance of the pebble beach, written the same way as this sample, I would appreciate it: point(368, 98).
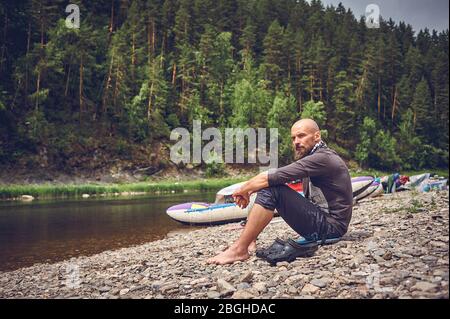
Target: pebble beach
point(396, 247)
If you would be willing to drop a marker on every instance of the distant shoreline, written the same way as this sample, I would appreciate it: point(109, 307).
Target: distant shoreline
point(21, 192)
point(161, 186)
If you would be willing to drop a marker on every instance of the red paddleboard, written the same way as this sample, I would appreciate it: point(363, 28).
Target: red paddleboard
point(296, 186)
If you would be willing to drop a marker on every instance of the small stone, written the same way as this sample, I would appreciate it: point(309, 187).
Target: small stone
point(246, 277)
point(124, 291)
point(242, 294)
point(292, 290)
point(318, 283)
point(308, 288)
point(168, 287)
point(104, 289)
point(424, 286)
point(260, 287)
point(114, 291)
point(387, 255)
point(226, 293)
point(242, 285)
point(225, 285)
point(295, 280)
point(213, 294)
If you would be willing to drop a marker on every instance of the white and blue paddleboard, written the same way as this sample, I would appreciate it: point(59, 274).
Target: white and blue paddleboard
point(207, 214)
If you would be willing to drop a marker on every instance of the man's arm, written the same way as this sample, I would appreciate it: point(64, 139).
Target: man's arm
point(242, 195)
point(258, 182)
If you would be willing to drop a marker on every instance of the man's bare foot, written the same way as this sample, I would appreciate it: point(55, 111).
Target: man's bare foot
point(251, 247)
point(229, 256)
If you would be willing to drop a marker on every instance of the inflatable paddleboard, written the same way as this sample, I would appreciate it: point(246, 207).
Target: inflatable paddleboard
point(224, 210)
point(374, 189)
point(360, 185)
point(207, 214)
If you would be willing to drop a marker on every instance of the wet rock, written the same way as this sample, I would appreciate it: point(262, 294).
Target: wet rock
point(26, 198)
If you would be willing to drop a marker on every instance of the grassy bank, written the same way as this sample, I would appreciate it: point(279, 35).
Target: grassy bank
point(61, 191)
point(169, 186)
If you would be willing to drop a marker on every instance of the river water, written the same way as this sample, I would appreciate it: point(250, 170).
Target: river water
point(55, 230)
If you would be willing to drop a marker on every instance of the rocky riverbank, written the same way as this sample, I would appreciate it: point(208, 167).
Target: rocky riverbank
point(396, 247)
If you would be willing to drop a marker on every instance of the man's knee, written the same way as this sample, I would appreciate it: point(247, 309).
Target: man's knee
point(269, 197)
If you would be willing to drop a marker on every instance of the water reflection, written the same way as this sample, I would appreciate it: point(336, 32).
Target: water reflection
point(56, 230)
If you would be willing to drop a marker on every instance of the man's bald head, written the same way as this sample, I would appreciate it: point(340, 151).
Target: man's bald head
point(305, 134)
point(308, 124)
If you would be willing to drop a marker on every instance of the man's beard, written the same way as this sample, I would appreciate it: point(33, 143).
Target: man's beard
point(300, 153)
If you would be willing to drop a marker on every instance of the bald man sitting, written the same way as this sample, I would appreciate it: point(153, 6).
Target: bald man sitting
point(324, 213)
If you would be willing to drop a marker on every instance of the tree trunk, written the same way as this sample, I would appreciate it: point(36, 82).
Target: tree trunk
point(149, 42)
point(311, 85)
point(174, 74)
point(67, 82)
point(321, 89)
point(2, 55)
point(150, 100)
point(111, 22)
point(153, 36)
point(379, 96)
point(108, 84)
point(116, 87)
point(38, 87)
point(28, 51)
point(394, 104)
point(221, 98)
point(133, 55)
point(163, 45)
point(81, 87)
point(163, 49)
point(289, 74)
point(298, 66)
point(38, 81)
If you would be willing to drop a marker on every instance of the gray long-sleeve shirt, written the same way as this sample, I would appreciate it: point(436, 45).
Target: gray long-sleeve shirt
point(328, 172)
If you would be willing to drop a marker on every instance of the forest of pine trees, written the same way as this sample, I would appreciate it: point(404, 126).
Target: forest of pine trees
point(136, 69)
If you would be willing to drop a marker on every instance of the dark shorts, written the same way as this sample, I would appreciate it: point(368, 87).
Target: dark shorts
point(303, 216)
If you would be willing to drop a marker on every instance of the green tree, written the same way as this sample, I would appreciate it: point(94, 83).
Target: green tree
point(273, 66)
point(367, 134)
point(343, 99)
point(422, 106)
point(316, 111)
point(283, 111)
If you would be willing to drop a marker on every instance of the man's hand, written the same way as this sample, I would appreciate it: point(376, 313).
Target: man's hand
point(242, 195)
point(241, 198)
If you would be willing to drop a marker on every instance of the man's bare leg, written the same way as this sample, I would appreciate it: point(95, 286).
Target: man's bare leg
point(258, 219)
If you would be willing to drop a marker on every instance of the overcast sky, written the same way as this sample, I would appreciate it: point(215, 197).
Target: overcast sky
point(432, 14)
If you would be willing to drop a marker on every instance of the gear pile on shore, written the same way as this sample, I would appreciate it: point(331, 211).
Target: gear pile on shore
point(396, 247)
